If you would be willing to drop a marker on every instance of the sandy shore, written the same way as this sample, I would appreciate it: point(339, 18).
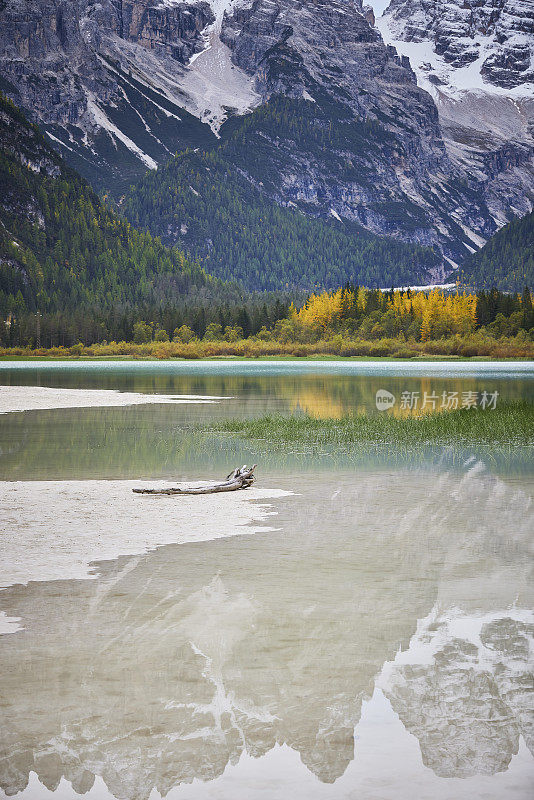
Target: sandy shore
point(52, 530)
point(32, 398)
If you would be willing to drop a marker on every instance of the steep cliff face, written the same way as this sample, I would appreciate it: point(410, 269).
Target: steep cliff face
point(108, 80)
point(496, 35)
point(475, 58)
point(51, 51)
point(347, 126)
point(370, 147)
point(170, 28)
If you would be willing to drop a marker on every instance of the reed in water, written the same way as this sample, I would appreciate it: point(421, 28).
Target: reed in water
point(511, 422)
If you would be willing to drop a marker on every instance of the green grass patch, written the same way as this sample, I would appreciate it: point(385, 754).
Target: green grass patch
point(510, 423)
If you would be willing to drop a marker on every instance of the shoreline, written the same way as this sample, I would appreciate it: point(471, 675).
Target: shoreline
point(75, 524)
point(17, 399)
point(477, 344)
point(423, 359)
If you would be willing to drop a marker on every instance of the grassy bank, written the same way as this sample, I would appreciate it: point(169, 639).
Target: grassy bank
point(471, 346)
point(510, 423)
point(238, 359)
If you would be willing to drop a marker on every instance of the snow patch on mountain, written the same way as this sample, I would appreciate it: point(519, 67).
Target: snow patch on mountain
point(210, 87)
point(102, 121)
point(435, 73)
point(476, 60)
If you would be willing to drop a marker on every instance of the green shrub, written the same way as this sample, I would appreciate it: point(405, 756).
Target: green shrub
point(76, 349)
point(184, 334)
point(142, 332)
point(214, 332)
point(405, 352)
point(233, 334)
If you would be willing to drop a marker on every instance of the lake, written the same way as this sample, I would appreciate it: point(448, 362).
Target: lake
point(362, 627)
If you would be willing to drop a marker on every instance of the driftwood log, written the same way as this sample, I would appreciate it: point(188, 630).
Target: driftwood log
point(240, 478)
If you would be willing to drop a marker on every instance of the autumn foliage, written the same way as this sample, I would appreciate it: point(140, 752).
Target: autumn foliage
point(426, 315)
point(351, 321)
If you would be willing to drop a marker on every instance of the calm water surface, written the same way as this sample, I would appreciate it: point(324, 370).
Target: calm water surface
point(378, 644)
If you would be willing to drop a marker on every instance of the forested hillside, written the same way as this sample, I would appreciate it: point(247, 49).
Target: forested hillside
point(208, 208)
point(71, 269)
point(506, 261)
point(318, 109)
point(62, 248)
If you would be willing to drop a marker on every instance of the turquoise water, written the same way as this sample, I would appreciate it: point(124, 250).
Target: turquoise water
point(161, 440)
point(378, 643)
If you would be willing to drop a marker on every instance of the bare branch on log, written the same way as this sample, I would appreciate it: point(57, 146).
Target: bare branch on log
point(240, 478)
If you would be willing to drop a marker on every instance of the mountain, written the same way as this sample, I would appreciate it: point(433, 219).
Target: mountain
point(210, 209)
point(493, 38)
point(506, 261)
point(61, 248)
point(476, 61)
point(306, 101)
point(105, 79)
point(116, 84)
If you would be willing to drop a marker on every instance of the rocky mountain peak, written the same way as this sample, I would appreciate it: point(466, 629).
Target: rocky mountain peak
point(372, 122)
point(495, 35)
point(329, 42)
point(475, 57)
point(117, 84)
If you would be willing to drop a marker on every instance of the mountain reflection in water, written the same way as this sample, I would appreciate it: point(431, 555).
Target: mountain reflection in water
point(169, 666)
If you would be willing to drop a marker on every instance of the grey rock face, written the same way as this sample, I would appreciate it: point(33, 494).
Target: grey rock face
point(63, 62)
point(172, 29)
point(58, 43)
point(332, 42)
point(500, 32)
point(121, 85)
point(42, 50)
point(397, 178)
point(475, 58)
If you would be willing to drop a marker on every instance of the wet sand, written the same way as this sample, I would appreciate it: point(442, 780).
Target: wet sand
point(54, 529)
point(32, 398)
